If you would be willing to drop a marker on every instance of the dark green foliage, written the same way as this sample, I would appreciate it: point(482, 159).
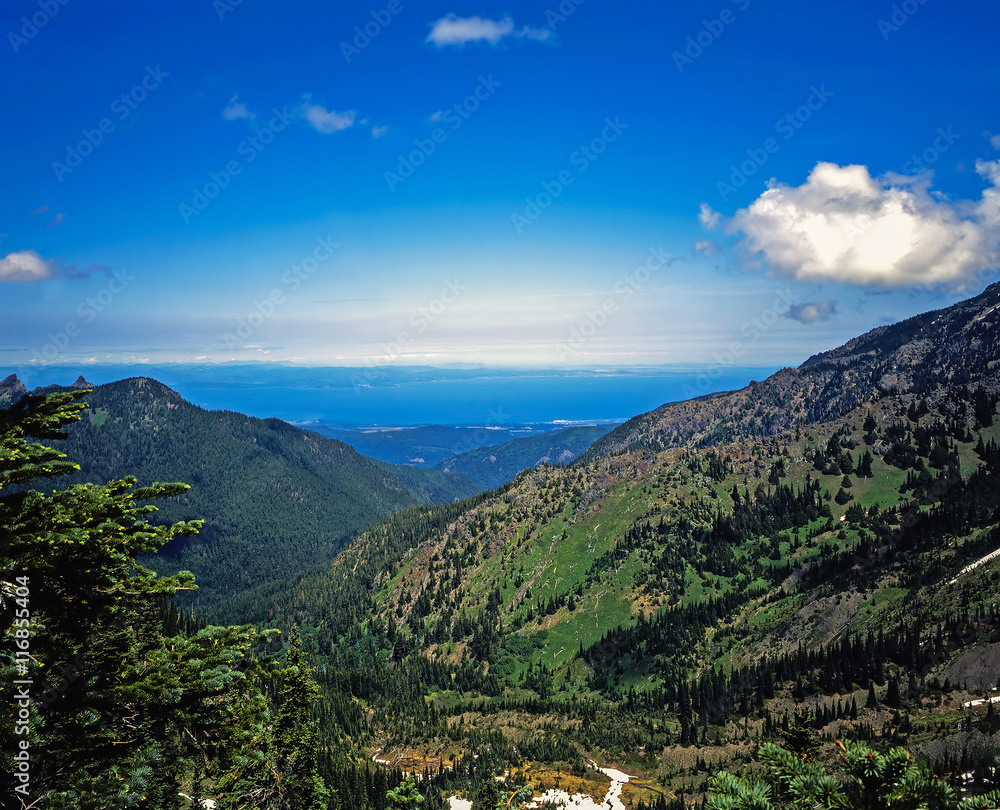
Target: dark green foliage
point(131, 709)
point(873, 781)
point(274, 499)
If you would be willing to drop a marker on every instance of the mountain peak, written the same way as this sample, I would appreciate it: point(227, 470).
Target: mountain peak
point(11, 390)
point(953, 346)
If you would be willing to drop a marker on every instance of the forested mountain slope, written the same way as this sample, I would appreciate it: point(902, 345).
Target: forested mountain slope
point(948, 347)
point(275, 498)
point(639, 603)
point(689, 596)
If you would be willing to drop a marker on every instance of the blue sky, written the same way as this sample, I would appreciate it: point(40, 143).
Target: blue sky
point(517, 184)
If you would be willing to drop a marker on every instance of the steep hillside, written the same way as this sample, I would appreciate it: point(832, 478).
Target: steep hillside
point(948, 347)
point(654, 600)
point(275, 498)
point(495, 465)
point(638, 604)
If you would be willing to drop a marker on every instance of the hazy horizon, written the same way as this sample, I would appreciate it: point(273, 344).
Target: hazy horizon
point(416, 395)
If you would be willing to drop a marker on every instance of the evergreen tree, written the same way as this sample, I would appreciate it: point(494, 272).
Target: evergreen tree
point(875, 781)
point(893, 698)
point(406, 796)
point(132, 709)
point(801, 738)
point(297, 735)
point(872, 701)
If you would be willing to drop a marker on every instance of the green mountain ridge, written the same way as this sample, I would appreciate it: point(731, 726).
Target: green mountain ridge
point(275, 498)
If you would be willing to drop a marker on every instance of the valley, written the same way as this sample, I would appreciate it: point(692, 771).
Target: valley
point(812, 558)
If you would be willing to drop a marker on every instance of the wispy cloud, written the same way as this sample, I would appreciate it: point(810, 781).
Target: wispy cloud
point(327, 121)
point(538, 34)
point(844, 225)
point(812, 311)
point(237, 109)
point(708, 218)
point(56, 220)
point(458, 31)
point(378, 132)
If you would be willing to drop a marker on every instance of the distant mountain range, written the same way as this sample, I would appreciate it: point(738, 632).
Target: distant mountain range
point(495, 465)
point(427, 445)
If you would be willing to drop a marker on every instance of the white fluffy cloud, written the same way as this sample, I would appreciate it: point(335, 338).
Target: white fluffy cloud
point(236, 110)
point(455, 30)
point(844, 225)
point(25, 265)
point(327, 121)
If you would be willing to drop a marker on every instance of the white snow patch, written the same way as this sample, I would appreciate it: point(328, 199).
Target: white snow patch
point(981, 702)
point(976, 564)
point(580, 802)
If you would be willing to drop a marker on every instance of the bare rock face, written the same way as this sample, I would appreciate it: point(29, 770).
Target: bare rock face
point(977, 668)
point(11, 390)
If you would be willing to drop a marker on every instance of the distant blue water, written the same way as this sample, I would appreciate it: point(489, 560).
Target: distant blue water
point(423, 396)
